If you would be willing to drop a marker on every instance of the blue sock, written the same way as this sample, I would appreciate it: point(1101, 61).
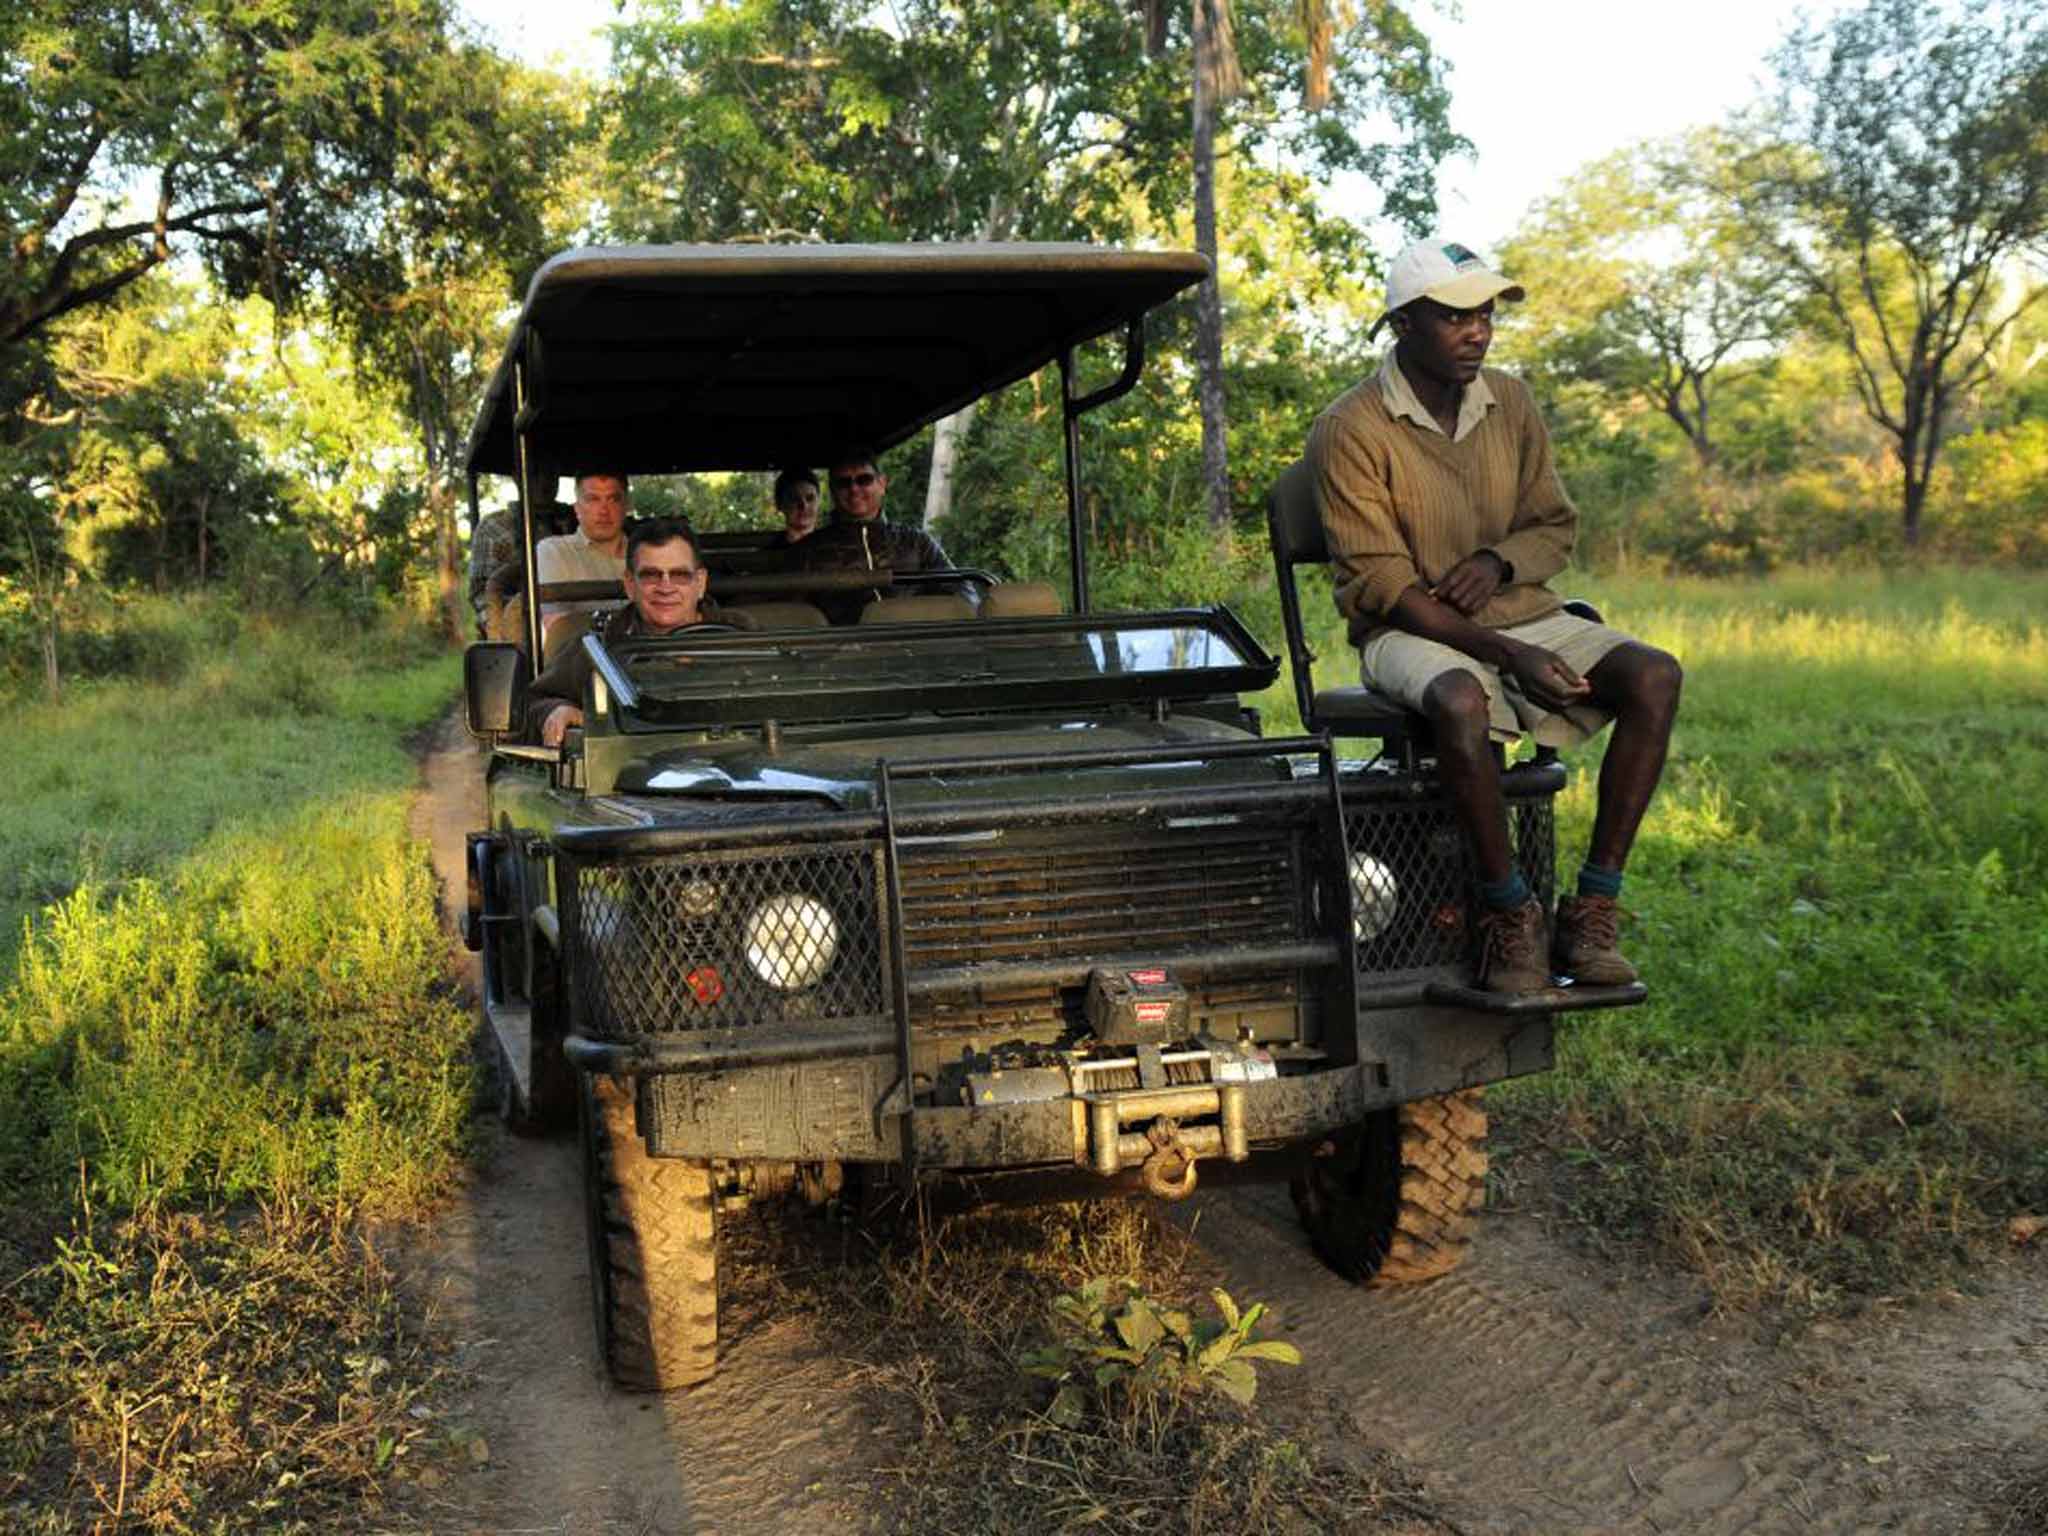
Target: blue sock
point(1595, 881)
point(1505, 895)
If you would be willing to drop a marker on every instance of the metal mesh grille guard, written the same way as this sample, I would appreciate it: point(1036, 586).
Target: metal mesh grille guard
point(716, 939)
point(1412, 879)
point(1001, 902)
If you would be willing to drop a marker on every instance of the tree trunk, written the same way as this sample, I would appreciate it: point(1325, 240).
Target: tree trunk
point(205, 500)
point(1209, 296)
point(947, 436)
point(946, 439)
point(450, 562)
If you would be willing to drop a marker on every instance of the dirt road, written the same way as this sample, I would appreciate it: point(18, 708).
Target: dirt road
point(1533, 1392)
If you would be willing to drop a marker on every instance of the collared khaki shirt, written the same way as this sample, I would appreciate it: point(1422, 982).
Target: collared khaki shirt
point(1403, 502)
point(572, 557)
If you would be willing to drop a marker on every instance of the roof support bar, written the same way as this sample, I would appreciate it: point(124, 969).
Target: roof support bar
point(527, 490)
point(1134, 364)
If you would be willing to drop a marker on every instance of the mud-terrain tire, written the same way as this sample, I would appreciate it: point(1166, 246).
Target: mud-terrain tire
point(1395, 1199)
point(653, 1250)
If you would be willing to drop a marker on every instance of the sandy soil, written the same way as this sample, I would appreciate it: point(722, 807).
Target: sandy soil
point(1533, 1392)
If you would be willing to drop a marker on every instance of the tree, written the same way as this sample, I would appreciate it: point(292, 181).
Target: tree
point(1005, 119)
point(1419, 105)
point(1913, 178)
point(1646, 274)
point(311, 147)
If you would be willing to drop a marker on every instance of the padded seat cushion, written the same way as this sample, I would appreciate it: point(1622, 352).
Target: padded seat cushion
point(1020, 600)
point(776, 615)
point(932, 608)
point(1361, 711)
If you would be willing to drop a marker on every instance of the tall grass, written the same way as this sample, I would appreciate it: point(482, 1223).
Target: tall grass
point(1839, 1089)
point(224, 1042)
point(225, 720)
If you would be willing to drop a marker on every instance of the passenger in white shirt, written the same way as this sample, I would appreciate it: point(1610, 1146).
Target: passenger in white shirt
point(596, 551)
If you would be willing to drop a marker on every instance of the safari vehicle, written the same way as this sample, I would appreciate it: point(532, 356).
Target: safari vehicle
point(1017, 899)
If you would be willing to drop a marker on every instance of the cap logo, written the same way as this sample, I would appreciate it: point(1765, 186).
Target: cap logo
point(1459, 256)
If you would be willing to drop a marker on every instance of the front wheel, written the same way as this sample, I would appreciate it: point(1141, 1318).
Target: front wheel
point(653, 1250)
point(1395, 1199)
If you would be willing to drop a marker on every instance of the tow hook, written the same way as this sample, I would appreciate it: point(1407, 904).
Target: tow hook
point(1169, 1172)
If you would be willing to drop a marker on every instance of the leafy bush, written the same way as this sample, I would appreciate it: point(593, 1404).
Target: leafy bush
point(1119, 1351)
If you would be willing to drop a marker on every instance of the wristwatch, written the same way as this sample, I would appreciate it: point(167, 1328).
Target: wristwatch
point(1507, 567)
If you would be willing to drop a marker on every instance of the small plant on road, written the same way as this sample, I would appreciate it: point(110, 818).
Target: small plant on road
point(1131, 1355)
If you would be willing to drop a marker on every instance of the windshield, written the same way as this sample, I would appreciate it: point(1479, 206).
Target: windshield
point(876, 669)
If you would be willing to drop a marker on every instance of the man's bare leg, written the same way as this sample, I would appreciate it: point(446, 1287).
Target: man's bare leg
point(1512, 950)
point(1640, 685)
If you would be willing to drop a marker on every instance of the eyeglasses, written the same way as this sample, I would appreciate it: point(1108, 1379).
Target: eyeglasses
point(864, 479)
point(674, 576)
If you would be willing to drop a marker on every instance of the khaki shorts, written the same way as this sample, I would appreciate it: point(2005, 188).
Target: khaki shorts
point(1403, 666)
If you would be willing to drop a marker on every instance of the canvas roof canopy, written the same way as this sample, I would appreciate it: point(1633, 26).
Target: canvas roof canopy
point(660, 359)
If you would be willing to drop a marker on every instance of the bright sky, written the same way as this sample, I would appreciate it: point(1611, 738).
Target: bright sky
point(1540, 87)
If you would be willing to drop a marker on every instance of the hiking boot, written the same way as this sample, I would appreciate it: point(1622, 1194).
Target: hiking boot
point(1586, 945)
point(1511, 949)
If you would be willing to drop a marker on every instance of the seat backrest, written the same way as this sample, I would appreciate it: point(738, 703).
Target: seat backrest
point(1020, 600)
point(779, 615)
point(1294, 526)
point(1294, 520)
point(932, 608)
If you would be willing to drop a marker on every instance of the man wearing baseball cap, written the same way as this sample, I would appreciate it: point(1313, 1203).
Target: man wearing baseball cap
point(1445, 519)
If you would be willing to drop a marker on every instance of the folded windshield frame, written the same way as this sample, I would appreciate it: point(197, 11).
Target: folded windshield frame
point(1082, 661)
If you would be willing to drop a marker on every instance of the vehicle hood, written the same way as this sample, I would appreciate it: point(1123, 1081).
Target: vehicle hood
point(844, 773)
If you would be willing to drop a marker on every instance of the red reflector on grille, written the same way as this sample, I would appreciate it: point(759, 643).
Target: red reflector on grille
point(705, 984)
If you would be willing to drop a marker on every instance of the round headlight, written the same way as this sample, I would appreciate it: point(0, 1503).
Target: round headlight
point(698, 899)
point(1374, 897)
point(791, 941)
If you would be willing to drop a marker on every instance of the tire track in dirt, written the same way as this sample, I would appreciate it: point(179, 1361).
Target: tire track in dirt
point(1538, 1395)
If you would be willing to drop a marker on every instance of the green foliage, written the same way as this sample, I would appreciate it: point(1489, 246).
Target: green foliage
point(307, 150)
point(1910, 178)
point(1027, 119)
point(222, 715)
point(1646, 277)
point(235, 1032)
point(226, 1035)
point(1120, 1351)
point(1837, 1089)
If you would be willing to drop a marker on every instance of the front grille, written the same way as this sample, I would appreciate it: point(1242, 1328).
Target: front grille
point(1267, 1005)
point(1413, 881)
point(1109, 891)
point(664, 945)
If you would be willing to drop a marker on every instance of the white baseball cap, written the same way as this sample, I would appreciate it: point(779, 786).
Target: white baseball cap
point(1443, 270)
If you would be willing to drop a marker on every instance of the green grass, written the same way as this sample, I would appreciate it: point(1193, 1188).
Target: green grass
point(126, 777)
point(1839, 1089)
point(226, 1043)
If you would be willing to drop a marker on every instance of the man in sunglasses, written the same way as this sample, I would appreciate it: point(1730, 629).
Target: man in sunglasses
point(1445, 519)
point(665, 584)
point(859, 537)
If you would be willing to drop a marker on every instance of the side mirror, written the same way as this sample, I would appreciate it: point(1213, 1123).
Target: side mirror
point(495, 677)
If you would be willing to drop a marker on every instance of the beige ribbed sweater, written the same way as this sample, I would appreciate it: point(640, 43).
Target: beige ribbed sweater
point(1402, 503)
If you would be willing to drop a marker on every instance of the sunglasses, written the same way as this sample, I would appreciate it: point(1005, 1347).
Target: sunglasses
point(673, 576)
point(864, 479)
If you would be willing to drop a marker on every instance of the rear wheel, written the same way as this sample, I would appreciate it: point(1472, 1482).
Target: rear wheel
point(1395, 1199)
point(653, 1250)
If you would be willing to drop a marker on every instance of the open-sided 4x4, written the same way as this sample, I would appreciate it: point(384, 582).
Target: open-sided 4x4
point(1024, 898)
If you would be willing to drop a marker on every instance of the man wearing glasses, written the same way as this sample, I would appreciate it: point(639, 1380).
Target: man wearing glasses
point(1445, 519)
point(665, 584)
point(859, 537)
